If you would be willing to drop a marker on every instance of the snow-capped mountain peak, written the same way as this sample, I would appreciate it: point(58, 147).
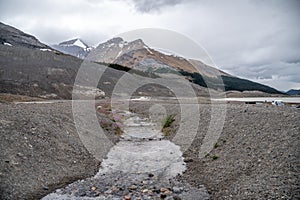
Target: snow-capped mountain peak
point(79, 43)
point(74, 42)
point(75, 47)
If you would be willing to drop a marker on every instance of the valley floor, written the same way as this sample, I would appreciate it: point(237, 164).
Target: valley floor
point(256, 157)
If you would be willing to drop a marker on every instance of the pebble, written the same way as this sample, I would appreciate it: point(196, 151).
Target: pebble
point(108, 191)
point(133, 187)
point(127, 197)
point(145, 191)
point(177, 190)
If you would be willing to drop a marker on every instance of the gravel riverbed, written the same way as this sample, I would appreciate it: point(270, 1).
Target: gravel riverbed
point(256, 156)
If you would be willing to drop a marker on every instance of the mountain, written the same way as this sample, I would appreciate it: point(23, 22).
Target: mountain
point(11, 36)
point(293, 92)
point(27, 69)
point(75, 47)
point(137, 55)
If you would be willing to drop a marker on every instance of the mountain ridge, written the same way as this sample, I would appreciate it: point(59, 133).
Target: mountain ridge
point(293, 92)
point(11, 36)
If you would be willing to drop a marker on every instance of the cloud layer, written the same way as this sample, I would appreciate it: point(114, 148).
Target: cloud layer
point(258, 40)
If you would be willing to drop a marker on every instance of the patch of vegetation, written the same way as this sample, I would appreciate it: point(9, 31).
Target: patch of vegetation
point(229, 83)
point(130, 70)
point(109, 120)
point(166, 124)
point(215, 157)
point(166, 131)
point(164, 70)
point(234, 83)
point(167, 121)
point(216, 145)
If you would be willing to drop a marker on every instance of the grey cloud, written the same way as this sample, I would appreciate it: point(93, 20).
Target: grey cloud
point(153, 5)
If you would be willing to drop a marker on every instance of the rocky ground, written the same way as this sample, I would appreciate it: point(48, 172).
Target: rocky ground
point(41, 150)
point(141, 166)
point(256, 157)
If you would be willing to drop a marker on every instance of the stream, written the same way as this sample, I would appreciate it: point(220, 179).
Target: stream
point(142, 165)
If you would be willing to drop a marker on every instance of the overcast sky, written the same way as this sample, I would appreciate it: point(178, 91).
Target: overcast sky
point(254, 39)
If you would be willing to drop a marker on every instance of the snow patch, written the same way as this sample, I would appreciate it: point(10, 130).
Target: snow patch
point(119, 53)
point(147, 48)
point(7, 44)
point(110, 45)
point(79, 43)
point(45, 49)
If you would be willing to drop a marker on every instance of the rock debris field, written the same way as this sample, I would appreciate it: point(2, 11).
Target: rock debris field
point(141, 165)
point(256, 156)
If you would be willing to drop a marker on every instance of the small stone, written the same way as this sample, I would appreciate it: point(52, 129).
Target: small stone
point(163, 196)
point(93, 188)
point(114, 188)
point(20, 154)
point(150, 175)
point(127, 197)
point(108, 192)
point(145, 190)
point(165, 190)
point(45, 188)
point(133, 187)
point(177, 190)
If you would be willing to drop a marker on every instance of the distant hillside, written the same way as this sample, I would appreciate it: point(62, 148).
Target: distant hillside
point(230, 83)
point(293, 92)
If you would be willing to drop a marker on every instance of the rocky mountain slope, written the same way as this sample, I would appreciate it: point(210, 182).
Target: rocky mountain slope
point(75, 47)
point(11, 36)
point(137, 55)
